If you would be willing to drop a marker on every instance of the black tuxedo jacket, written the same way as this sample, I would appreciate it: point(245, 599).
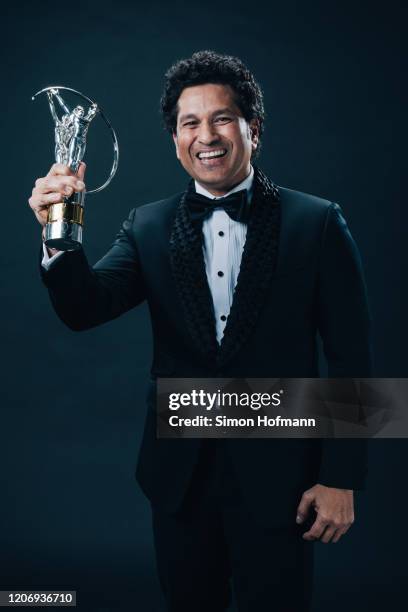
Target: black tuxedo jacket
point(300, 275)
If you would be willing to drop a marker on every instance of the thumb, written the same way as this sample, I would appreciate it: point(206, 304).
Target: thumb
point(81, 171)
point(304, 506)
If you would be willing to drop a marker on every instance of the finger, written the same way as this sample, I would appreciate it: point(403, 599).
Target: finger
point(81, 171)
point(328, 533)
point(304, 506)
point(316, 529)
point(66, 185)
point(60, 169)
point(52, 198)
point(45, 201)
point(338, 534)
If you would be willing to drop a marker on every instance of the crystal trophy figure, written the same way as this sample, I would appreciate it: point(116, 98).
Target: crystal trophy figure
point(65, 220)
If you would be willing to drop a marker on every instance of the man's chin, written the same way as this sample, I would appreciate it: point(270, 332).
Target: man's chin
point(217, 178)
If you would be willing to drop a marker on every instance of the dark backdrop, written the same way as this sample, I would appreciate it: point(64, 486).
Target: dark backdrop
point(334, 76)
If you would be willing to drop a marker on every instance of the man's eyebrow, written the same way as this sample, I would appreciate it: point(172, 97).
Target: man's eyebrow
point(219, 111)
point(188, 116)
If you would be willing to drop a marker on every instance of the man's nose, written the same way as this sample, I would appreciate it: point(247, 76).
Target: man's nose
point(207, 134)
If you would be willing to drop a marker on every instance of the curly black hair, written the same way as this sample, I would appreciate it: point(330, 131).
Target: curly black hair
point(211, 67)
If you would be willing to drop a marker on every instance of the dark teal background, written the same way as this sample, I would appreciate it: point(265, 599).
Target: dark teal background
point(72, 406)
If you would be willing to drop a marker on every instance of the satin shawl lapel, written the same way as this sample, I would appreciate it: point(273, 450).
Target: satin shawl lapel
point(257, 265)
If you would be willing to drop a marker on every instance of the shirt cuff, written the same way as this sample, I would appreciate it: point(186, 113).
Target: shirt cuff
point(47, 261)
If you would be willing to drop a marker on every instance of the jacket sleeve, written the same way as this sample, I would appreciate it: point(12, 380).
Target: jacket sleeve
point(85, 296)
point(344, 324)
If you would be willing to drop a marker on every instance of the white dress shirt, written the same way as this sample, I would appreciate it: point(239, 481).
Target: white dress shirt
point(224, 240)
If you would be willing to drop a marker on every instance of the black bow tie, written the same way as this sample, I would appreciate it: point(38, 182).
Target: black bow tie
point(236, 205)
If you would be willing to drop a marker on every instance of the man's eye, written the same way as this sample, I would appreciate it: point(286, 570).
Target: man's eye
point(223, 119)
point(190, 123)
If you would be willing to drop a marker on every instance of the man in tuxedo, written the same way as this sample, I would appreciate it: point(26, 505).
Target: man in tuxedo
point(240, 277)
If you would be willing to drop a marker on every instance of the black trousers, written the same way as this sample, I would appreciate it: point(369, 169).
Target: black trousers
point(215, 539)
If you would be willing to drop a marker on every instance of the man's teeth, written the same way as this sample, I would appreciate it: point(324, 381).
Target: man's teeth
point(206, 154)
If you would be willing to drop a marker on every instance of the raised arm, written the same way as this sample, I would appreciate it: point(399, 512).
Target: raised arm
point(52, 108)
point(84, 296)
point(60, 101)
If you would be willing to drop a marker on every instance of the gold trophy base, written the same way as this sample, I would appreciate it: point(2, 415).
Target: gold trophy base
point(63, 230)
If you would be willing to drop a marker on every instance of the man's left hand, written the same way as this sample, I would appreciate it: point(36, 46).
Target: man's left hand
point(335, 512)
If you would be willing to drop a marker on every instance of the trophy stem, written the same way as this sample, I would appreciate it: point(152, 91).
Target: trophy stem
point(65, 220)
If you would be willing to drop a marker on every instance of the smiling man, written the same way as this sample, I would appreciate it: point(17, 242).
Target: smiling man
point(214, 142)
point(240, 277)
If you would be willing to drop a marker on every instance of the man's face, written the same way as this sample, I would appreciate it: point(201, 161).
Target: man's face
point(214, 142)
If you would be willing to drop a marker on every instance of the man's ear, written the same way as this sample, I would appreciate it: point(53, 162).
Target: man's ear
point(254, 133)
point(174, 134)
